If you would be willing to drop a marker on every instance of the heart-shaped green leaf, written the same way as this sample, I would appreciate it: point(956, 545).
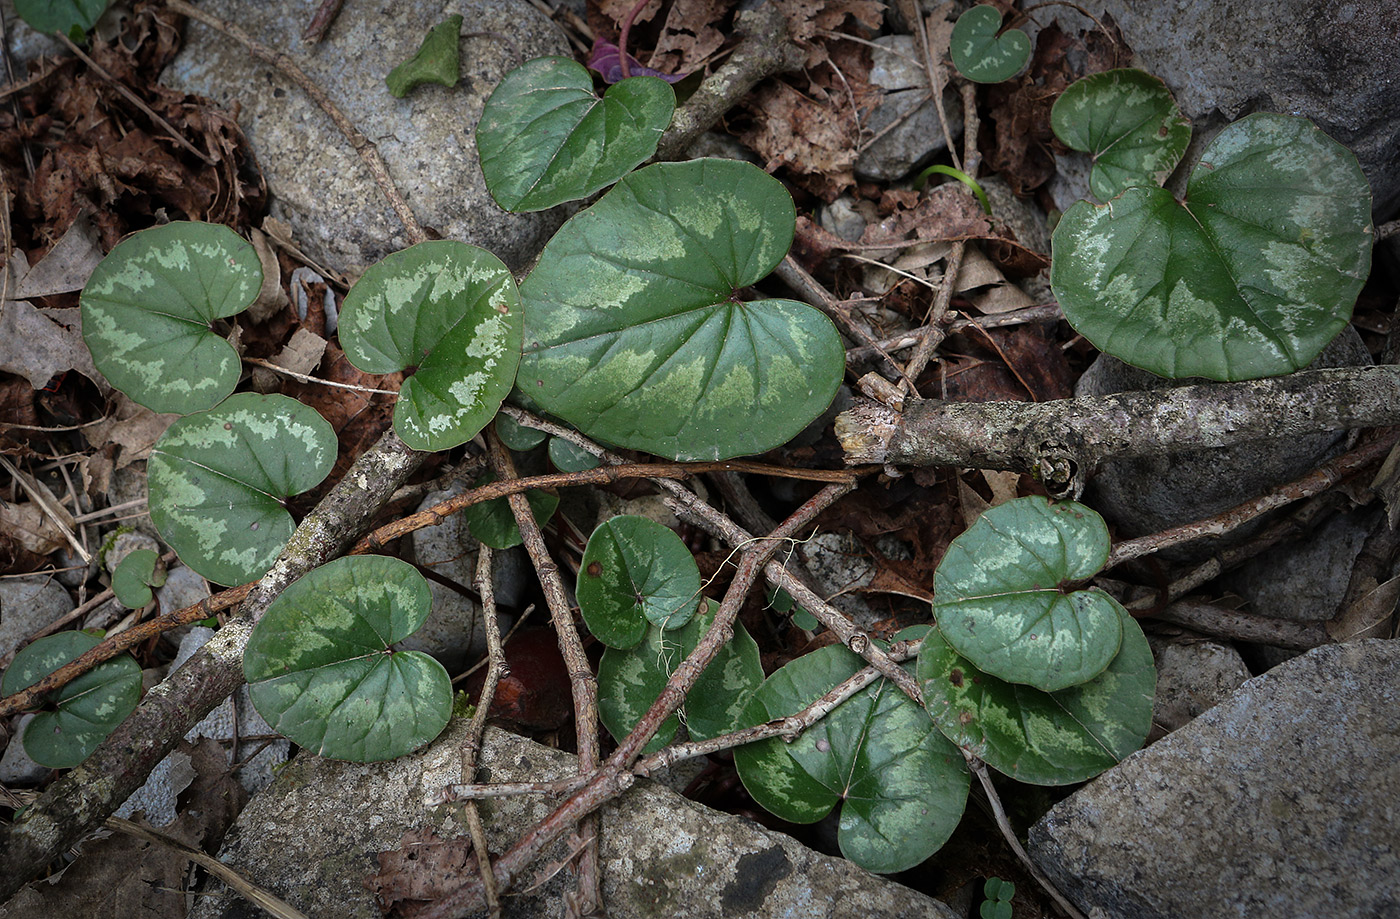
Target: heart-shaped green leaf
point(1000, 594)
point(634, 572)
point(980, 54)
point(320, 669)
point(629, 681)
point(87, 709)
point(493, 522)
point(1039, 737)
point(1251, 276)
point(516, 436)
point(1129, 123)
point(903, 785)
point(452, 311)
point(217, 480)
point(437, 60)
point(568, 457)
point(635, 331)
point(148, 310)
point(545, 138)
point(134, 577)
point(66, 16)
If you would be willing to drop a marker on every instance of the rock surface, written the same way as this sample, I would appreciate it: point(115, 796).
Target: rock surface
point(318, 183)
point(1152, 493)
point(27, 604)
point(908, 138)
point(1334, 63)
point(1278, 802)
point(312, 838)
point(1193, 675)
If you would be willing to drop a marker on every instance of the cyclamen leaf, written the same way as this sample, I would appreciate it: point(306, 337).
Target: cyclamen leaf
point(901, 785)
point(999, 598)
point(320, 668)
point(451, 310)
point(135, 576)
point(545, 138)
point(148, 310)
point(1038, 737)
point(1251, 276)
point(1130, 124)
point(634, 572)
point(217, 479)
point(71, 17)
point(87, 709)
point(635, 331)
point(980, 54)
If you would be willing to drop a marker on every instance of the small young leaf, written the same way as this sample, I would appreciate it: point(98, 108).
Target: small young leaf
point(436, 61)
point(629, 681)
point(217, 479)
point(1039, 737)
point(452, 311)
point(636, 333)
point(516, 436)
point(634, 572)
point(995, 909)
point(568, 458)
point(71, 17)
point(321, 671)
point(1251, 276)
point(88, 709)
point(903, 785)
point(998, 889)
point(545, 138)
point(148, 310)
point(493, 523)
point(980, 54)
point(999, 602)
point(1129, 123)
point(135, 576)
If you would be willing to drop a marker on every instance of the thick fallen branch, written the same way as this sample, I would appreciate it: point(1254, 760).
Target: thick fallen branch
point(1062, 441)
point(79, 802)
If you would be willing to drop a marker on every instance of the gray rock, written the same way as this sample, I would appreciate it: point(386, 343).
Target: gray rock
point(183, 587)
point(1152, 493)
point(1306, 580)
point(1193, 676)
point(16, 768)
point(317, 181)
point(312, 838)
point(1278, 802)
point(843, 218)
point(28, 604)
point(919, 135)
point(1335, 63)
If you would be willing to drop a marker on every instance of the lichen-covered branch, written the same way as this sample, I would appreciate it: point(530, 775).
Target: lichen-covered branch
point(1062, 441)
point(79, 802)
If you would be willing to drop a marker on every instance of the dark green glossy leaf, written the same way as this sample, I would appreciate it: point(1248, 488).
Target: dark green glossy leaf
point(437, 60)
point(149, 307)
point(516, 436)
point(66, 16)
point(135, 576)
point(1000, 596)
point(452, 311)
point(217, 480)
point(1038, 737)
point(1129, 123)
point(87, 709)
point(1251, 276)
point(629, 681)
point(493, 522)
point(545, 138)
point(320, 668)
point(980, 54)
point(903, 787)
point(634, 572)
point(635, 331)
point(568, 458)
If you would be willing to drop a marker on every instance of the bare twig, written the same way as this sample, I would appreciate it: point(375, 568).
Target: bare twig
point(495, 669)
point(304, 378)
point(934, 320)
point(321, 22)
point(368, 152)
point(1237, 625)
point(1040, 313)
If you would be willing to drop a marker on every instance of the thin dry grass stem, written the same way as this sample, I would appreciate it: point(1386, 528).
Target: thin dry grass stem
point(495, 668)
point(304, 378)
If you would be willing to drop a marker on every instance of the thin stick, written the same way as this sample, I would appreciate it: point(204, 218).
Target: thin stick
point(933, 321)
point(50, 507)
point(368, 152)
point(495, 668)
point(109, 511)
point(134, 99)
point(317, 380)
point(258, 896)
point(1040, 313)
point(979, 769)
point(320, 23)
point(1324, 477)
point(582, 683)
